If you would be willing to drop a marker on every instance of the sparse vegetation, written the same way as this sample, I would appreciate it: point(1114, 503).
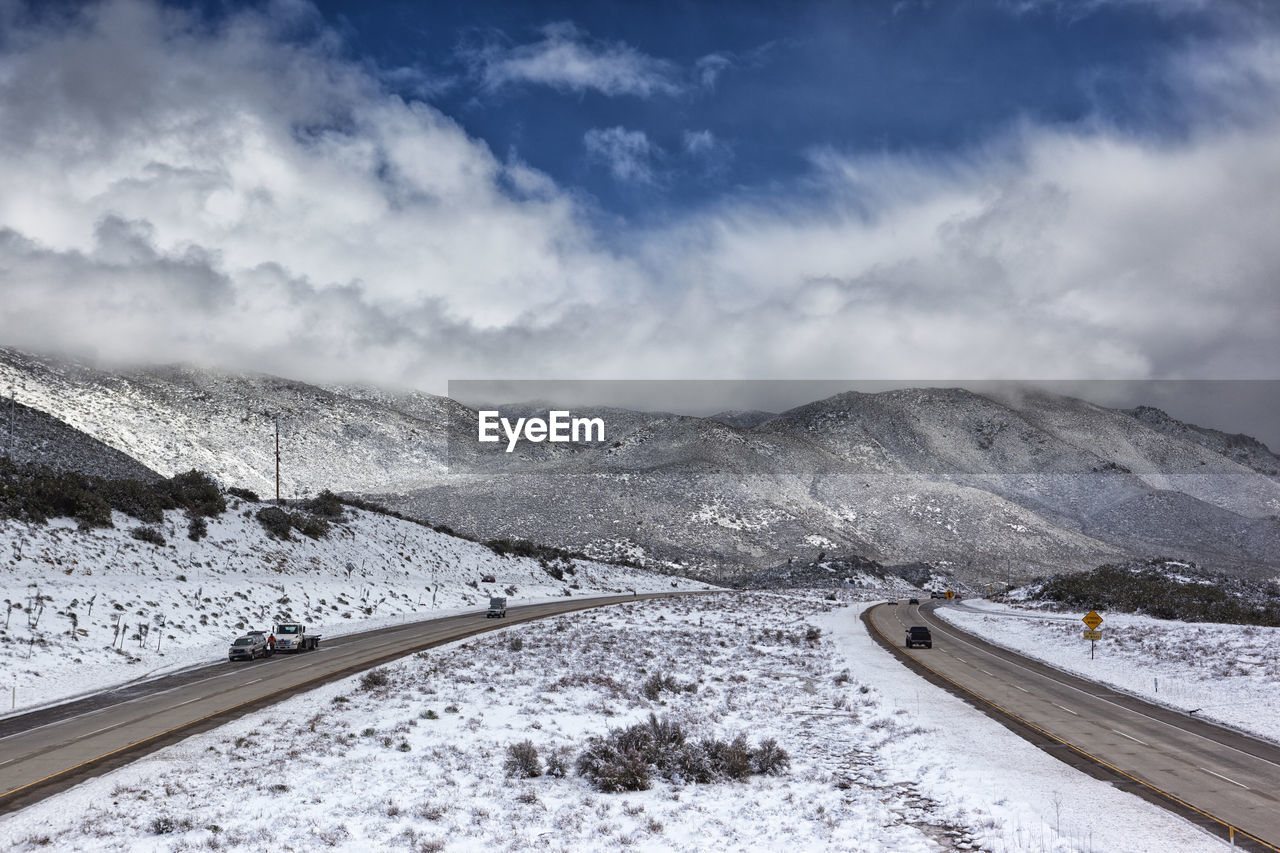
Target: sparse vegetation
point(1165, 589)
point(627, 759)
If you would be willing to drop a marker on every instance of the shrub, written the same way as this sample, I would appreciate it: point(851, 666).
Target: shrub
point(770, 759)
point(515, 642)
point(626, 759)
point(163, 825)
point(147, 534)
point(522, 761)
point(196, 492)
point(611, 768)
point(375, 678)
point(275, 521)
point(326, 504)
point(311, 526)
point(656, 683)
point(557, 763)
point(244, 494)
point(197, 528)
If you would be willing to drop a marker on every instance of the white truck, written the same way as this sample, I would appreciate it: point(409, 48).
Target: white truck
point(497, 608)
point(293, 637)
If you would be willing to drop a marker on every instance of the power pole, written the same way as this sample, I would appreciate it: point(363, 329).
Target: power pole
point(13, 413)
point(277, 420)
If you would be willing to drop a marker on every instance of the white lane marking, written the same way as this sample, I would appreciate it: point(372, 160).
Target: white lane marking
point(1224, 778)
point(188, 702)
point(98, 731)
point(957, 657)
point(255, 681)
point(1130, 737)
point(1068, 710)
point(941, 628)
point(987, 671)
point(1023, 689)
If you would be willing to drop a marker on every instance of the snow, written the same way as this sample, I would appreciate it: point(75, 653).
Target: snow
point(880, 759)
point(1226, 673)
point(195, 597)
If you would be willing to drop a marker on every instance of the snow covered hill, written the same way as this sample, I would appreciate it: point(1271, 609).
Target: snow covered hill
point(87, 609)
point(993, 486)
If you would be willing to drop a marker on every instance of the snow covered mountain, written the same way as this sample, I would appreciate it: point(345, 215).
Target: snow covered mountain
point(991, 487)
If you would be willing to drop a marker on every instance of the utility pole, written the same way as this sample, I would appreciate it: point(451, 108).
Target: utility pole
point(277, 420)
point(13, 413)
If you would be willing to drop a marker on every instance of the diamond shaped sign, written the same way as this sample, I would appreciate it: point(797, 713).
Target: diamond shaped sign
point(1092, 619)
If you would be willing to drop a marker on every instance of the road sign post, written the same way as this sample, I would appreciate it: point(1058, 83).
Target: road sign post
point(1092, 620)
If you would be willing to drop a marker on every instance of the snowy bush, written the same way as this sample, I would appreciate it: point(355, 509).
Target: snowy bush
point(523, 761)
point(769, 759)
point(627, 758)
point(375, 678)
point(144, 533)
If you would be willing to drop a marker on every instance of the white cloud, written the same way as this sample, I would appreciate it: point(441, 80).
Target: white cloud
point(175, 189)
point(566, 58)
point(628, 154)
point(708, 69)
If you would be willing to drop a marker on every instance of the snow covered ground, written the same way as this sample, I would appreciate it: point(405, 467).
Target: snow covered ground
point(69, 595)
point(1226, 673)
point(880, 760)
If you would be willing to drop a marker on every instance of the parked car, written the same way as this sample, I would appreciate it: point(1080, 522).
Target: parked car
point(248, 647)
point(935, 594)
point(918, 635)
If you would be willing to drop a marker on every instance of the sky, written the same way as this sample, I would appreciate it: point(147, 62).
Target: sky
point(412, 193)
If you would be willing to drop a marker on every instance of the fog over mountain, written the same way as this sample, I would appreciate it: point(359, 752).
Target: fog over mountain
point(990, 487)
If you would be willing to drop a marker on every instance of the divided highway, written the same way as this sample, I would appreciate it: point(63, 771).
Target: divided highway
point(1221, 779)
point(50, 749)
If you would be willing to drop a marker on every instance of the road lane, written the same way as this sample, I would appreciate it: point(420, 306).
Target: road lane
point(1223, 779)
point(49, 749)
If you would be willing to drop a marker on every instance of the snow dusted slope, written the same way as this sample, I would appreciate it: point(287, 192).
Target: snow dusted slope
point(175, 419)
point(65, 591)
point(1025, 484)
point(880, 760)
point(41, 439)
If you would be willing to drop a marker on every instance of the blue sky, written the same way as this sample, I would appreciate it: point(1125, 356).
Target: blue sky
point(417, 192)
point(734, 97)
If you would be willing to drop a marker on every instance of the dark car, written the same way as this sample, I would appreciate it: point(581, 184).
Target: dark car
point(913, 601)
point(248, 647)
point(918, 635)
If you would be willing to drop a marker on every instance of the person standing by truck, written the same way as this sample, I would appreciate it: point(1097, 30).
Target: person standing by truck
point(271, 644)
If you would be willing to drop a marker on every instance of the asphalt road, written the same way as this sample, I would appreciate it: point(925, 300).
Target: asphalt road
point(50, 749)
point(1223, 780)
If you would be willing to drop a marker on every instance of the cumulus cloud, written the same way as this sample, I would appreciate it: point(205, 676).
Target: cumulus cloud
point(567, 58)
point(236, 192)
point(628, 154)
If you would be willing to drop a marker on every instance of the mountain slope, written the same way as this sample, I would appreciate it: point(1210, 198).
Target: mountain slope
point(1018, 484)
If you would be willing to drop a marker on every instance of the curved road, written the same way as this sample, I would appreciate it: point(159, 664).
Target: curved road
point(50, 749)
point(1221, 779)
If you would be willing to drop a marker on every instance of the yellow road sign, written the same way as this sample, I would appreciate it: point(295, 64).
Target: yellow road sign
point(1092, 619)
point(950, 595)
point(1092, 635)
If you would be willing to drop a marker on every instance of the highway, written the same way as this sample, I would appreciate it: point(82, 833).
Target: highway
point(1221, 779)
point(50, 749)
